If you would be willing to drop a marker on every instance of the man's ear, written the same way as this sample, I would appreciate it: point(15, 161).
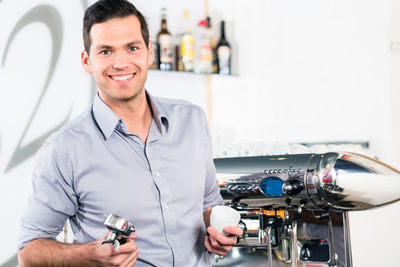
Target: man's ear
point(150, 57)
point(85, 61)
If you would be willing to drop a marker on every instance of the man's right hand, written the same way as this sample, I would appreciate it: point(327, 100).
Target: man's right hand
point(48, 252)
point(108, 256)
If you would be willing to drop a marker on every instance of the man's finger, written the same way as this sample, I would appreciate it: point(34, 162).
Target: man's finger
point(222, 251)
point(129, 247)
point(131, 259)
point(233, 230)
point(131, 236)
point(221, 238)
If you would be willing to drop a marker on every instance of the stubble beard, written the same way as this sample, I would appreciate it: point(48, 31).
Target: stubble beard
point(120, 100)
point(130, 98)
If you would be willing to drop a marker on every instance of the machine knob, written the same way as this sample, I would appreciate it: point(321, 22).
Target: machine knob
point(292, 187)
point(271, 186)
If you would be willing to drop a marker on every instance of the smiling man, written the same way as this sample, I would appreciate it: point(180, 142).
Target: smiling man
point(146, 159)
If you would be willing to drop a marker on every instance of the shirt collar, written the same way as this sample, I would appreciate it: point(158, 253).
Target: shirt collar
point(107, 120)
point(160, 115)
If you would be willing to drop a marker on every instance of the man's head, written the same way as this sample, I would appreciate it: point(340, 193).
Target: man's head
point(104, 10)
point(120, 51)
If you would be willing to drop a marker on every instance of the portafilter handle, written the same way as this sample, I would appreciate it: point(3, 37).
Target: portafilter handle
point(118, 226)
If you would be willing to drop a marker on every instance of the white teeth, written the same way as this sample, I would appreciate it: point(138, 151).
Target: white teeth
point(121, 78)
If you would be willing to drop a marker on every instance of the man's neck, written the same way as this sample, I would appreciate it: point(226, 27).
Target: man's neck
point(136, 114)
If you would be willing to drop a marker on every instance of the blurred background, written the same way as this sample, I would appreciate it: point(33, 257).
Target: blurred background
point(309, 71)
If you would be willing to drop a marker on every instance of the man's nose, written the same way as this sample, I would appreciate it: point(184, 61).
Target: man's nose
point(121, 61)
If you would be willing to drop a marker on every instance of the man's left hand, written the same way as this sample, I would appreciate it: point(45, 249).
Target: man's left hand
point(221, 244)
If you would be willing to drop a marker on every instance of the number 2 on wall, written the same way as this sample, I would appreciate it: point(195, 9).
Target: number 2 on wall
point(52, 19)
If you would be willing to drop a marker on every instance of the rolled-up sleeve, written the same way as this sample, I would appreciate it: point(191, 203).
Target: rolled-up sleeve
point(53, 199)
point(212, 195)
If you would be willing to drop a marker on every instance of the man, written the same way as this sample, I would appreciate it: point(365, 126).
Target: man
point(143, 158)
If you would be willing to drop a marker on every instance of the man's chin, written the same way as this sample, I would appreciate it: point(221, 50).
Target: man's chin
point(128, 98)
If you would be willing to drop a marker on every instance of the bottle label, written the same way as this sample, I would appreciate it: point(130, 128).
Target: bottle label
point(224, 54)
point(187, 52)
point(187, 49)
point(205, 57)
point(165, 42)
point(205, 52)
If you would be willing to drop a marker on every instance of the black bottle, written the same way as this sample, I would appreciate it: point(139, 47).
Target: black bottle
point(224, 53)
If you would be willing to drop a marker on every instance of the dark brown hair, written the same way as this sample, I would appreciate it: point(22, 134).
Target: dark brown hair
point(104, 10)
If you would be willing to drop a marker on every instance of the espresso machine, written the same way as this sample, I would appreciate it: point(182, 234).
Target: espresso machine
point(294, 208)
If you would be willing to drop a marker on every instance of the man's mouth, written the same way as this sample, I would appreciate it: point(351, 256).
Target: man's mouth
point(122, 77)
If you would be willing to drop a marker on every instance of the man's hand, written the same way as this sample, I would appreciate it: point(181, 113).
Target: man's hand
point(125, 256)
point(218, 243)
point(47, 252)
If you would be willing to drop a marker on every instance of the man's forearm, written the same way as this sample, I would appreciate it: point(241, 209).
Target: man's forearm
point(47, 252)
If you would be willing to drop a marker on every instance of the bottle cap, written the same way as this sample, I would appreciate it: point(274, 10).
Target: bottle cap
point(202, 23)
point(208, 22)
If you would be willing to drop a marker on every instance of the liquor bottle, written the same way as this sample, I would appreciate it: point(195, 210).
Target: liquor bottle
point(204, 60)
point(177, 52)
point(187, 45)
point(165, 45)
point(223, 53)
point(213, 47)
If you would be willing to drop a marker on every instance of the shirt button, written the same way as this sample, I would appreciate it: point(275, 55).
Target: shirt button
point(157, 174)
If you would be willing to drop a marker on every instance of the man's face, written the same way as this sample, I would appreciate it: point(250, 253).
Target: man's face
point(119, 59)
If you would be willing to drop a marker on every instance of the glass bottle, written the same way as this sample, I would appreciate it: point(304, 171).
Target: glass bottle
point(224, 53)
point(213, 46)
point(187, 45)
point(165, 44)
point(205, 52)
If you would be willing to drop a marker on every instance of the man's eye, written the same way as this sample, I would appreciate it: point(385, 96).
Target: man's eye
point(133, 48)
point(105, 52)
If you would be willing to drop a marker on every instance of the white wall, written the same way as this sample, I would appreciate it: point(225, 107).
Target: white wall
point(306, 71)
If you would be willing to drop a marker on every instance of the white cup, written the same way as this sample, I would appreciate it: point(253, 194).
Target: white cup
point(223, 216)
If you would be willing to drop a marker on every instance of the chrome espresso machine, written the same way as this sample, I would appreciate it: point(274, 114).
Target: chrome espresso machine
point(294, 208)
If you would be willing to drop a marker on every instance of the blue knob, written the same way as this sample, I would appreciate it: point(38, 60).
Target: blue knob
point(272, 186)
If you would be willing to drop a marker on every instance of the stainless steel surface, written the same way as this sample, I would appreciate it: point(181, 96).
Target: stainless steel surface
point(286, 245)
point(347, 240)
point(301, 191)
point(269, 246)
point(246, 257)
point(343, 181)
point(334, 259)
point(293, 233)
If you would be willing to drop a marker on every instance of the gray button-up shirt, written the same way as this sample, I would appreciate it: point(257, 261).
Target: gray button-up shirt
point(93, 167)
